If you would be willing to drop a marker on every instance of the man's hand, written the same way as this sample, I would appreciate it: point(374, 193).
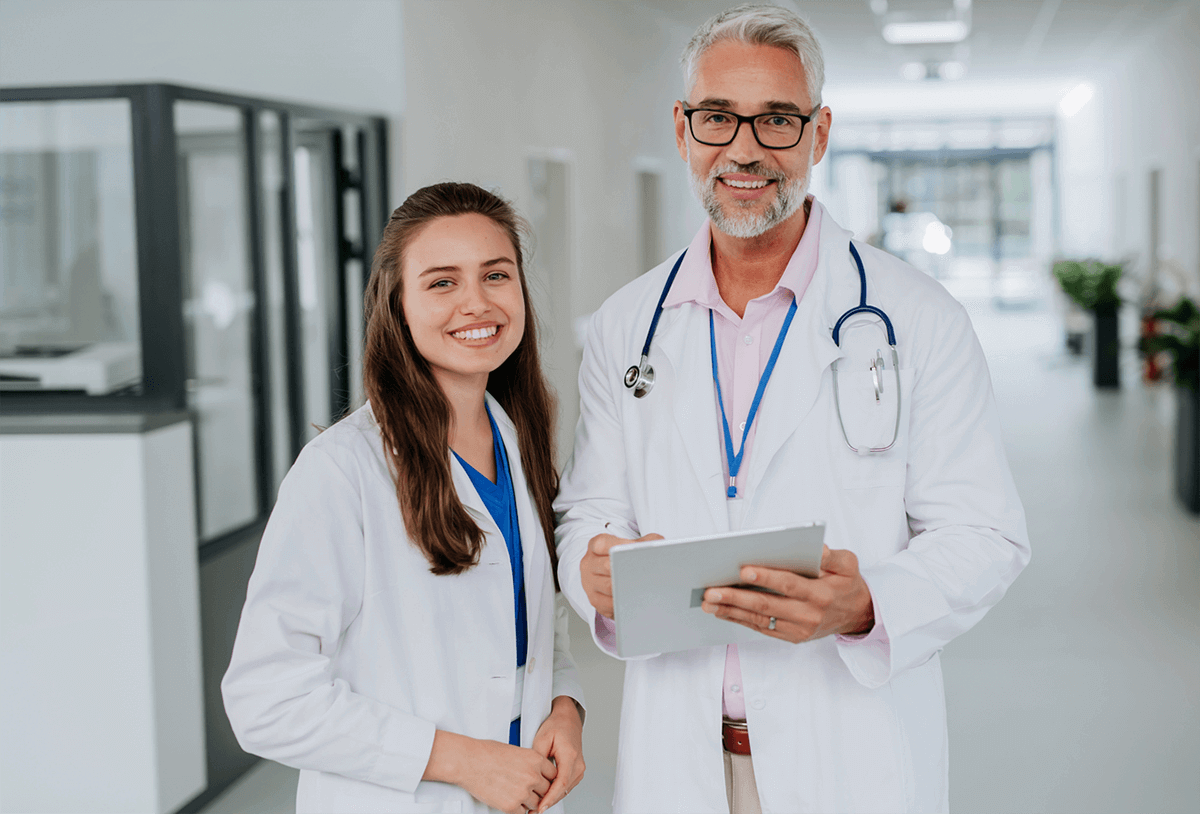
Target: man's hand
point(596, 570)
point(560, 739)
point(837, 601)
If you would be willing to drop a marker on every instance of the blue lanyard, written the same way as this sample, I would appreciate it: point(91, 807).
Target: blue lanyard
point(735, 461)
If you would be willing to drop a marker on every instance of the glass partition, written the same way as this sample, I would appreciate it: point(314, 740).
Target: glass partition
point(166, 248)
point(316, 271)
point(218, 310)
point(275, 312)
point(68, 248)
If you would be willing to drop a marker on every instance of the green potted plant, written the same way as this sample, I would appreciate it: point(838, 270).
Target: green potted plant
point(1179, 338)
point(1092, 285)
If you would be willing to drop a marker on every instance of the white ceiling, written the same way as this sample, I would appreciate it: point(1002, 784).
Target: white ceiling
point(1011, 41)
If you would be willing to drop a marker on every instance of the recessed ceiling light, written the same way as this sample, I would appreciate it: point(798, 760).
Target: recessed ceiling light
point(929, 31)
point(952, 70)
point(913, 71)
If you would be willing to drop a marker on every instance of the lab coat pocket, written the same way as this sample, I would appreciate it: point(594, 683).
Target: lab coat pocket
point(873, 415)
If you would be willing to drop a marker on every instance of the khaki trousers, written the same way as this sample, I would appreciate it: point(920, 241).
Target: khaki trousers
point(740, 787)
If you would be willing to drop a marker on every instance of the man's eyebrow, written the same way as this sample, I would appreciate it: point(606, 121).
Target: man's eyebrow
point(495, 261)
point(767, 107)
point(783, 107)
point(710, 102)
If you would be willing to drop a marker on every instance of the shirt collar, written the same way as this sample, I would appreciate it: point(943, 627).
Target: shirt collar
point(695, 281)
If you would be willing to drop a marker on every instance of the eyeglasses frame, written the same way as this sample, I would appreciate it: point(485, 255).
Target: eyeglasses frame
point(804, 122)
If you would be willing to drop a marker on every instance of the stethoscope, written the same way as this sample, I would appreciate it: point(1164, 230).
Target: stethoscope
point(640, 377)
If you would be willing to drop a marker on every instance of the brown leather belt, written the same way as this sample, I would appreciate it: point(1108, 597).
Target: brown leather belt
point(735, 737)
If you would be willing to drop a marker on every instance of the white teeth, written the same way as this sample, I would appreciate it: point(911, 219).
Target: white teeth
point(476, 333)
point(745, 184)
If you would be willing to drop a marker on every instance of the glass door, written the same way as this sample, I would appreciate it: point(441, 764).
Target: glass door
point(219, 311)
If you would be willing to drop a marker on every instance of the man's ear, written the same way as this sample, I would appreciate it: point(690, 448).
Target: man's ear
point(823, 122)
point(680, 130)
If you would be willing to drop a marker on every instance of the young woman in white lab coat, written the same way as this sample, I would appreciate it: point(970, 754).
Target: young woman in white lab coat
point(399, 642)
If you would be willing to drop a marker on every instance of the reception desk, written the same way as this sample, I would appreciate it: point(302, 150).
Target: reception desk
point(101, 701)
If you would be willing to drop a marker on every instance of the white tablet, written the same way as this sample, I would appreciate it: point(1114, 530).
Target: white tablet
point(658, 585)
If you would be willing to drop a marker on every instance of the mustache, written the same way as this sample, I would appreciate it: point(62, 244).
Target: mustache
point(754, 168)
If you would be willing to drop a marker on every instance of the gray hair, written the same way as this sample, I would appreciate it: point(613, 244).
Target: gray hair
point(760, 25)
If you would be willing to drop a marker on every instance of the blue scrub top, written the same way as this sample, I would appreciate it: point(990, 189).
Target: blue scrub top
point(501, 503)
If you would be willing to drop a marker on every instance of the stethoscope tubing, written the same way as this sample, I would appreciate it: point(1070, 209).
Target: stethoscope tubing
point(640, 377)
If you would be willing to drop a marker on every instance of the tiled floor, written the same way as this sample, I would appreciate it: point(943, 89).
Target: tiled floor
point(1079, 691)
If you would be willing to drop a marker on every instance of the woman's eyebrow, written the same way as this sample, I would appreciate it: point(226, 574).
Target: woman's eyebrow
point(495, 261)
point(438, 270)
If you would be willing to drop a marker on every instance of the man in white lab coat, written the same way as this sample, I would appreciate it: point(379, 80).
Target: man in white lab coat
point(753, 420)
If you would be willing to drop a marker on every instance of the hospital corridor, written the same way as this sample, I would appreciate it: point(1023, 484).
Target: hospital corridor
point(191, 197)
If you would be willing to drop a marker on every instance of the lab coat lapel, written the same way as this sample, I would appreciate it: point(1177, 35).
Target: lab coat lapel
point(808, 350)
point(471, 500)
point(683, 339)
point(533, 545)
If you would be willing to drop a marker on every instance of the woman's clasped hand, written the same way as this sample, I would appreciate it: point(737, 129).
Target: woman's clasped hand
point(509, 778)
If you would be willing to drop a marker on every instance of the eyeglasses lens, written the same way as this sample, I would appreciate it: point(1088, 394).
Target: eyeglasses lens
point(774, 130)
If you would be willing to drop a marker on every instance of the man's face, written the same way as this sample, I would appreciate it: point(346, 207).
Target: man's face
point(746, 188)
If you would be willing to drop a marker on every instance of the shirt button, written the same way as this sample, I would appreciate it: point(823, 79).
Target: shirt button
point(749, 340)
point(759, 703)
point(742, 426)
point(734, 688)
point(530, 667)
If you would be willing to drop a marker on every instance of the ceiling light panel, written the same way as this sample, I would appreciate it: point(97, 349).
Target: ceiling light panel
point(926, 32)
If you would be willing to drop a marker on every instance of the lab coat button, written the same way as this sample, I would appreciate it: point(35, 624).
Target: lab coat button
point(530, 667)
point(759, 703)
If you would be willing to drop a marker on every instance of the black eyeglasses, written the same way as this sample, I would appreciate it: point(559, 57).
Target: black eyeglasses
point(775, 131)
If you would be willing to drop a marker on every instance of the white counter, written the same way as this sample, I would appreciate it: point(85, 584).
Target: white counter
point(101, 701)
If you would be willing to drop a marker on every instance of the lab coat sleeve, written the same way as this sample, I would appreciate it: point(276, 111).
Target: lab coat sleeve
point(969, 540)
point(594, 492)
point(280, 692)
point(566, 675)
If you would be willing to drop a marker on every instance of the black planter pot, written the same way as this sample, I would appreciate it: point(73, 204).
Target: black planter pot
point(1106, 370)
point(1187, 445)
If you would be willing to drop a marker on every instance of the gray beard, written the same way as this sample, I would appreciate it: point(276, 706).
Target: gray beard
point(789, 197)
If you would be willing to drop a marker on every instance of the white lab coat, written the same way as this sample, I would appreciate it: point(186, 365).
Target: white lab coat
point(350, 653)
point(836, 725)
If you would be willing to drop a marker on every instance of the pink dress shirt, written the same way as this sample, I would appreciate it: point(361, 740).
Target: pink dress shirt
point(744, 345)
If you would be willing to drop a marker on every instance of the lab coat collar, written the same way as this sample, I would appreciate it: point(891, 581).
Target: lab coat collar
point(799, 372)
point(683, 367)
point(533, 545)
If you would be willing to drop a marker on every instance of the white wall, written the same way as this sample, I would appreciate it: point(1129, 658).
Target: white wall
point(335, 53)
point(1144, 116)
point(591, 82)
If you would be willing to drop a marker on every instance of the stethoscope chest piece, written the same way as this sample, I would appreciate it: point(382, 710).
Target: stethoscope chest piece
point(640, 378)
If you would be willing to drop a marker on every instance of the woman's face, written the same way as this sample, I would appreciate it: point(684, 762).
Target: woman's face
point(462, 298)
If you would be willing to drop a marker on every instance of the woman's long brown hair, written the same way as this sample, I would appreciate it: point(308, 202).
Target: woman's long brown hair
point(412, 412)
